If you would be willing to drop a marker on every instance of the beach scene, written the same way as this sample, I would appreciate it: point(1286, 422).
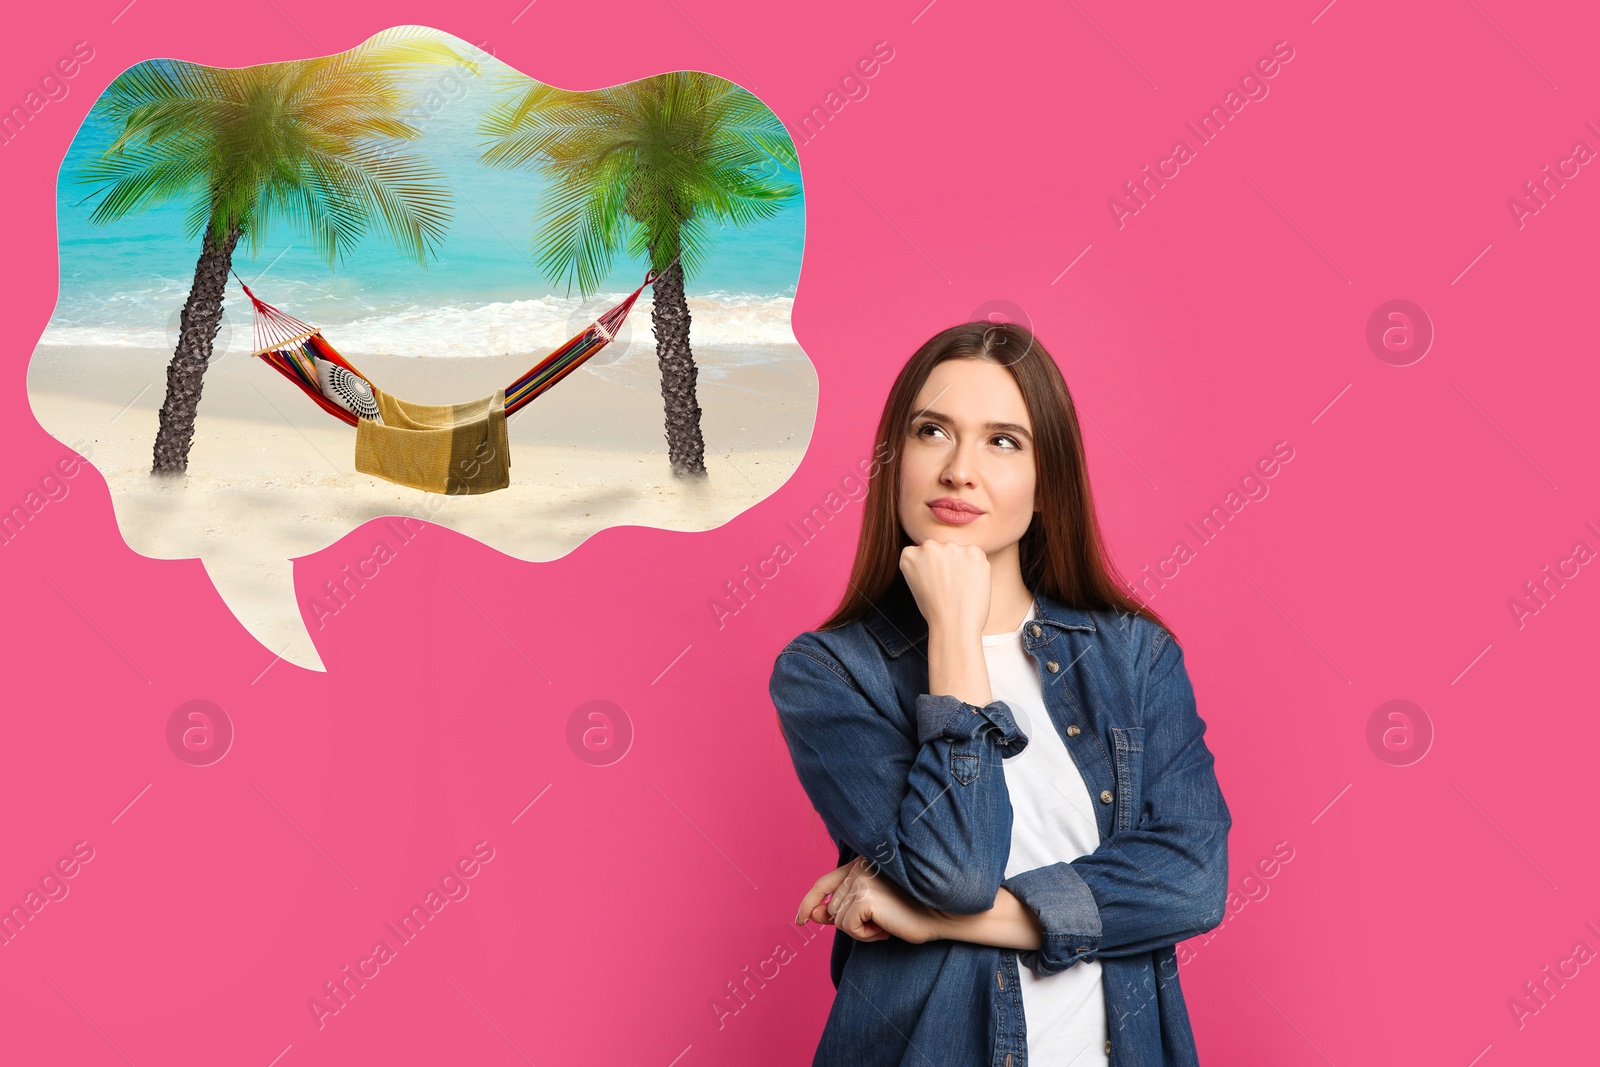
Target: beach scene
point(456, 250)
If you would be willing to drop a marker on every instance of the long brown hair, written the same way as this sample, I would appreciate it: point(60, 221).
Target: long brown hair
point(1061, 554)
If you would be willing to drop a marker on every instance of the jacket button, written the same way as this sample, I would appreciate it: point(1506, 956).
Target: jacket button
point(1052, 666)
point(1008, 1059)
point(1108, 1048)
point(1105, 796)
point(1034, 630)
point(1073, 730)
point(1000, 977)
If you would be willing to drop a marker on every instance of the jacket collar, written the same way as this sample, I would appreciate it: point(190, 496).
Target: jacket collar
point(897, 622)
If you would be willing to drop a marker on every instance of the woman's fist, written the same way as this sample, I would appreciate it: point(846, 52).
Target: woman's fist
point(866, 905)
point(951, 584)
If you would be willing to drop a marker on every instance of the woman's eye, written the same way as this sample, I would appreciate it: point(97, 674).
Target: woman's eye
point(1012, 442)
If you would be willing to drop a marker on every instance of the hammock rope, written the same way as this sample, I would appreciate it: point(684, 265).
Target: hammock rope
point(290, 347)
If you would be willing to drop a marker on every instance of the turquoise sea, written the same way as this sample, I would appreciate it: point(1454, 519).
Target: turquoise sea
point(123, 284)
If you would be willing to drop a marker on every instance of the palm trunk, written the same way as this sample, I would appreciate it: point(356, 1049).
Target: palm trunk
point(197, 329)
point(670, 317)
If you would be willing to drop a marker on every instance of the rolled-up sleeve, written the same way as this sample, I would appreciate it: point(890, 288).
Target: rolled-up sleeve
point(1069, 917)
point(1166, 878)
point(954, 719)
point(924, 799)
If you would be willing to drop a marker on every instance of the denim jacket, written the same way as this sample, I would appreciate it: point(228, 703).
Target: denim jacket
point(914, 783)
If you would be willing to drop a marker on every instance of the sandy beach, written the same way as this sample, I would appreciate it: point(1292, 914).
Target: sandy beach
point(272, 477)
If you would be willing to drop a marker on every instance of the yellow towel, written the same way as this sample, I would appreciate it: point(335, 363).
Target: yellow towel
point(441, 448)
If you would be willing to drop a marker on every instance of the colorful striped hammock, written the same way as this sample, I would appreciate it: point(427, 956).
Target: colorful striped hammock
point(291, 347)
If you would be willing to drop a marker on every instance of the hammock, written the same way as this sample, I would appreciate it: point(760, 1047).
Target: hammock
point(292, 346)
point(454, 448)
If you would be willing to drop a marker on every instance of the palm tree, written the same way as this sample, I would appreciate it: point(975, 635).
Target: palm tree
point(311, 142)
point(646, 166)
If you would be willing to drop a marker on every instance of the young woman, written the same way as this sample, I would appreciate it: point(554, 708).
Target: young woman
point(1003, 744)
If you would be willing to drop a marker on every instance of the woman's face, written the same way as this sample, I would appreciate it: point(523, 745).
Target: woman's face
point(970, 441)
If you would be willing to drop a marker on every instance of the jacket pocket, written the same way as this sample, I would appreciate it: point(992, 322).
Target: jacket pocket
point(1128, 742)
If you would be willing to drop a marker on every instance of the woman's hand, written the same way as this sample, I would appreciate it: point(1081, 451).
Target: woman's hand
point(867, 906)
point(951, 584)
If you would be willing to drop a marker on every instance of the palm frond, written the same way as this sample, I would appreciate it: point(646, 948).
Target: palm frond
point(140, 177)
point(407, 193)
point(581, 226)
point(311, 143)
point(648, 166)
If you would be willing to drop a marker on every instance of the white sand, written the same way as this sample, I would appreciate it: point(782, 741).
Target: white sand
point(271, 476)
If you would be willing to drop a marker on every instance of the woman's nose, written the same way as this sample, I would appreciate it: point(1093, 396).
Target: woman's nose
point(958, 470)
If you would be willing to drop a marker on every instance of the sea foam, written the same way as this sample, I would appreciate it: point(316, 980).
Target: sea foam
point(519, 327)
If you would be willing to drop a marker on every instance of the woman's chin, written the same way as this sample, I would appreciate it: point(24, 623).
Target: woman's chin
point(946, 532)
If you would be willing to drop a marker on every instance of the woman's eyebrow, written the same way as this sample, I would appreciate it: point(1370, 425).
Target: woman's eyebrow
point(1009, 427)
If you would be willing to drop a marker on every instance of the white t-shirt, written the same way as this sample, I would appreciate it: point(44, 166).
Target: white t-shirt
point(1052, 820)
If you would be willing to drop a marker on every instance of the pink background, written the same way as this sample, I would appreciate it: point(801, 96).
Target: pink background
point(1227, 315)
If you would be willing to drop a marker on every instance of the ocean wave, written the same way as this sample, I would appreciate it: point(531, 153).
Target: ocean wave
point(517, 327)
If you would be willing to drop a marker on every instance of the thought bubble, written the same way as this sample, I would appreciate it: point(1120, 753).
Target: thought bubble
point(262, 475)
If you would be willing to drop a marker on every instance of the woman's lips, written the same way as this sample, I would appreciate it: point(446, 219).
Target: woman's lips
point(952, 516)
